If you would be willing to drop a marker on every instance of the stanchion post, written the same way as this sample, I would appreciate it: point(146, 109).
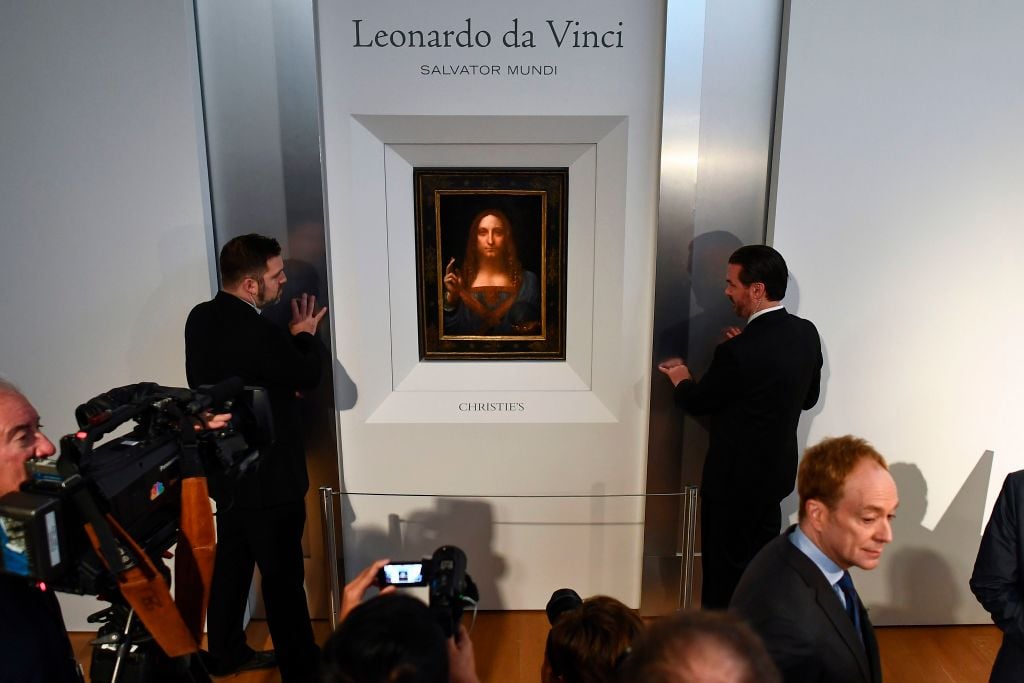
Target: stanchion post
point(691, 541)
point(681, 542)
point(687, 541)
point(331, 546)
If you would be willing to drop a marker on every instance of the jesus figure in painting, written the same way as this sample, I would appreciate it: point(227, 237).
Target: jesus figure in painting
point(492, 294)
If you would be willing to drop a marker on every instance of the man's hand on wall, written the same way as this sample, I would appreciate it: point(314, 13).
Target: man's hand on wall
point(675, 369)
point(305, 317)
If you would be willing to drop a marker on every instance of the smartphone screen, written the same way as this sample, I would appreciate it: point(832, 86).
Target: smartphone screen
point(402, 574)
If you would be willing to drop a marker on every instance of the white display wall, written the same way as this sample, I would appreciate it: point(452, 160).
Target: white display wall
point(542, 496)
point(106, 238)
point(898, 207)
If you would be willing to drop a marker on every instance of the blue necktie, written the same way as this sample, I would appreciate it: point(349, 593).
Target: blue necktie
point(852, 601)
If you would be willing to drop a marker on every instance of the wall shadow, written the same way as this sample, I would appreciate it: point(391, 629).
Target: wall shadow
point(924, 573)
point(691, 312)
point(467, 524)
point(790, 504)
point(695, 337)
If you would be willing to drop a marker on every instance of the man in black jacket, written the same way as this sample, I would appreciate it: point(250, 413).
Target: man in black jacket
point(757, 385)
point(998, 578)
point(34, 645)
point(260, 519)
point(797, 593)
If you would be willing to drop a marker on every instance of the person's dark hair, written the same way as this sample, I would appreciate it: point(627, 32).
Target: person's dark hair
point(513, 266)
point(389, 639)
point(760, 263)
point(588, 643)
point(688, 646)
point(246, 256)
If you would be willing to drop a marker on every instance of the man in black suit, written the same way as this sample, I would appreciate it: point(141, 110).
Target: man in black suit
point(260, 518)
point(34, 644)
point(998, 579)
point(758, 383)
point(797, 593)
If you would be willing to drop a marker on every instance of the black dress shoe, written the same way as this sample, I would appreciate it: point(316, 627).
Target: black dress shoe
point(260, 659)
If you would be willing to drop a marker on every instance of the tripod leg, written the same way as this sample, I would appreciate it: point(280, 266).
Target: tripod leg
point(125, 647)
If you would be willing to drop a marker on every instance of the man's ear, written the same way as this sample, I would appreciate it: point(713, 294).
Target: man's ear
point(757, 289)
point(815, 511)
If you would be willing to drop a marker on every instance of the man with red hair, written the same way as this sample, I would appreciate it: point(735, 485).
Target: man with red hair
point(797, 593)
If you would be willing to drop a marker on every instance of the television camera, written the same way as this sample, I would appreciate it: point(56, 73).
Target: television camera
point(99, 518)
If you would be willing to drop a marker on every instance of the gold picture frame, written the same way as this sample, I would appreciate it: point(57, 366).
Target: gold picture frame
point(491, 262)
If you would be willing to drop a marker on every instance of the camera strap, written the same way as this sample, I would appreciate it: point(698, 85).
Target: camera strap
point(105, 544)
point(196, 551)
point(145, 589)
point(197, 537)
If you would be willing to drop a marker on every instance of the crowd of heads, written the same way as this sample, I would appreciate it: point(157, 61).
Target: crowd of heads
point(394, 638)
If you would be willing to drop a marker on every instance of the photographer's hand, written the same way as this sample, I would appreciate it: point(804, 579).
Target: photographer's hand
point(355, 589)
point(305, 317)
point(208, 420)
point(213, 421)
point(461, 660)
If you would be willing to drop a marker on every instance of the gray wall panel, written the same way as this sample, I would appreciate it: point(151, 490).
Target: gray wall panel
point(720, 77)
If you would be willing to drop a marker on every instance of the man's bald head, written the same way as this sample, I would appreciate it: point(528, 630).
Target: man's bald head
point(700, 647)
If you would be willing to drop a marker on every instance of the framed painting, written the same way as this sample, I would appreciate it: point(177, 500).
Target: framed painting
point(490, 262)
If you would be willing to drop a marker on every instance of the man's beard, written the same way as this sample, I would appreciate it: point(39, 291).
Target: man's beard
point(261, 293)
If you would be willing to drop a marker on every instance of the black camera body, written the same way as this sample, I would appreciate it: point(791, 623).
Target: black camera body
point(134, 478)
point(451, 587)
point(562, 600)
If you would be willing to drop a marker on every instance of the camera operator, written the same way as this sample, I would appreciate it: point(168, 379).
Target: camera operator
point(260, 520)
point(34, 645)
point(393, 637)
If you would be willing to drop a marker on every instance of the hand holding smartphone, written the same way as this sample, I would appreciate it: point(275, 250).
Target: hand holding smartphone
point(404, 573)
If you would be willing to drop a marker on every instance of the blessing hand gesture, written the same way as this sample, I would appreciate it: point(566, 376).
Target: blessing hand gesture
point(452, 283)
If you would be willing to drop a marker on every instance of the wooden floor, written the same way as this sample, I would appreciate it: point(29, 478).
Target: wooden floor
point(937, 654)
point(510, 647)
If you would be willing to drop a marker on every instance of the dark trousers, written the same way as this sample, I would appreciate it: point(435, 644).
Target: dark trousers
point(34, 644)
point(270, 538)
point(1009, 664)
point(732, 532)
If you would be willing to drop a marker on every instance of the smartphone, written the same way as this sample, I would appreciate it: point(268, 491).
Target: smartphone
point(402, 574)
